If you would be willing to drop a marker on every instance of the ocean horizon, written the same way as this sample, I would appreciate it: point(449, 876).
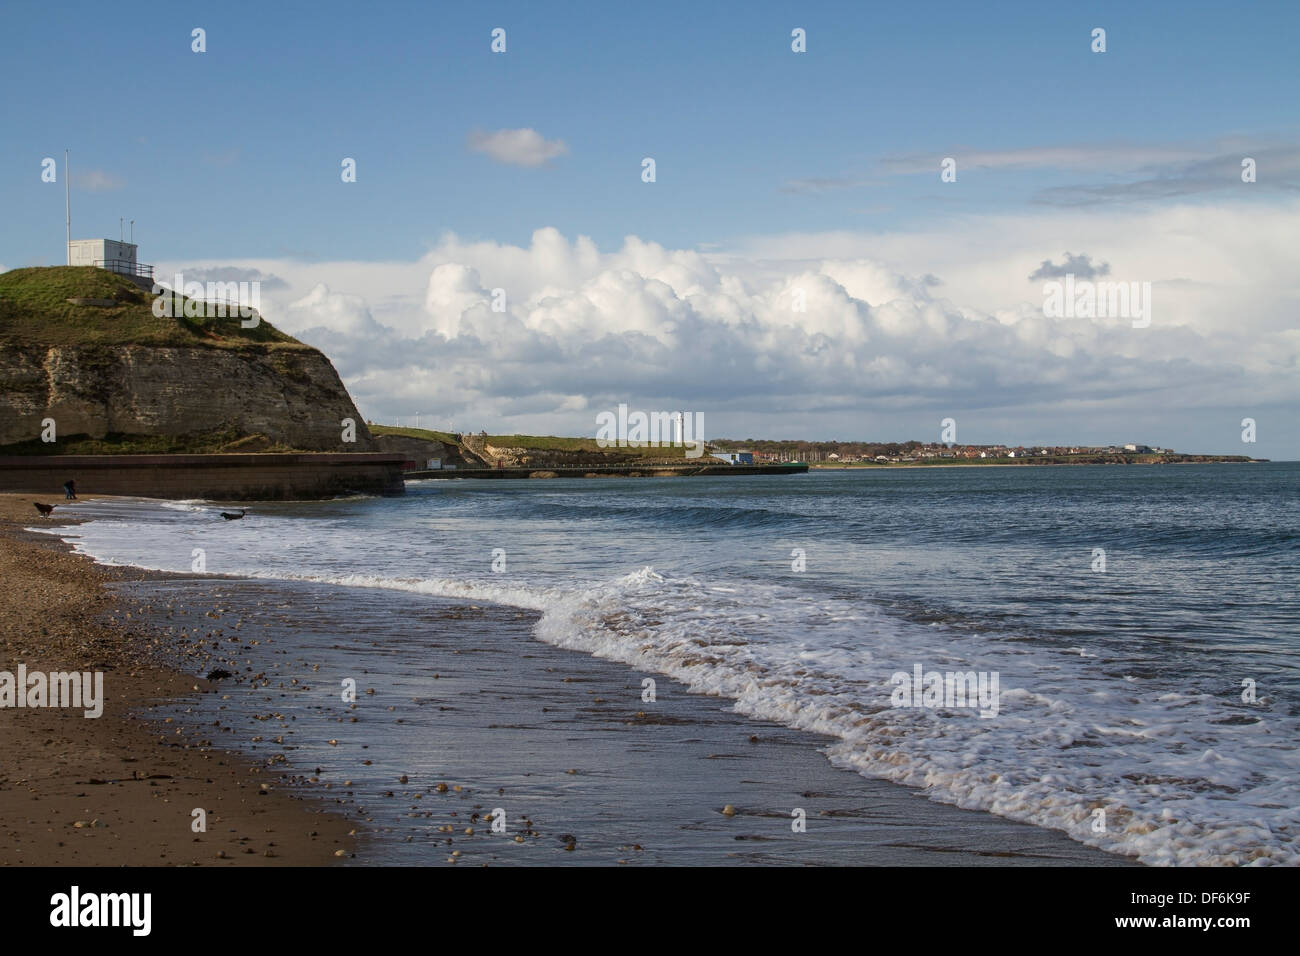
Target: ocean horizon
point(1107, 652)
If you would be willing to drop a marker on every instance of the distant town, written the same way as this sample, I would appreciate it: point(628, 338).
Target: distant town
point(834, 453)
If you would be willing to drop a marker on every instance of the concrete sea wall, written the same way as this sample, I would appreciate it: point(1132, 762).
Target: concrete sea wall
point(615, 471)
point(222, 477)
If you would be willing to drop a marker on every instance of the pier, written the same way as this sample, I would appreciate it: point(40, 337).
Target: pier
point(694, 468)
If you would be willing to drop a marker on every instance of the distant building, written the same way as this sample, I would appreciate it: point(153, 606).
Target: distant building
point(119, 257)
point(735, 457)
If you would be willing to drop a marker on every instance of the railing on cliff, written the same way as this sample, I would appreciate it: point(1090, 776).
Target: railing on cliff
point(126, 267)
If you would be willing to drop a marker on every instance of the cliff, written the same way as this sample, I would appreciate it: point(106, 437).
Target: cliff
point(420, 450)
point(85, 348)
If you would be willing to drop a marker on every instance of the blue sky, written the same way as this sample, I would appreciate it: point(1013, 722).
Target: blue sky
point(237, 151)
point(233, 157)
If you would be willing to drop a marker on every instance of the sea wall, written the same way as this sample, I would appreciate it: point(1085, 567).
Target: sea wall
point(221, 477)
point(615, 471)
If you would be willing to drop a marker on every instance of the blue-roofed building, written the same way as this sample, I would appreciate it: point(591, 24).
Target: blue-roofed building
point(735, 457)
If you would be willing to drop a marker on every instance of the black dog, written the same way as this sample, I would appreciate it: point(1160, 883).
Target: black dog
point(229, 517)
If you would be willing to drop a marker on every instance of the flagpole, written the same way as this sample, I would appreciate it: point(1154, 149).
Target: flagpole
point(67, 204)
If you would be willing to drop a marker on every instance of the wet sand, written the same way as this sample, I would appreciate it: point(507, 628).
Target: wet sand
point(460, 711)
point(119, 790)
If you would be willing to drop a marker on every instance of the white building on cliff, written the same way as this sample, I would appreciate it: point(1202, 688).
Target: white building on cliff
point(119, 257)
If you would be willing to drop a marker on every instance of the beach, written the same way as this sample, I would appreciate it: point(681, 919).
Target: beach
point(459, 713)
point(677, 673)
point(120, 789)
point(660, 672)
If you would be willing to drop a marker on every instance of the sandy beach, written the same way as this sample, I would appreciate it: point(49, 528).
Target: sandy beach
point(459, 712)
point(119, 790)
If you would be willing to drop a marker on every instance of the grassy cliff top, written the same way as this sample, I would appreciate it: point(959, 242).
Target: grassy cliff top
point(534, 442)
point(35, 311)
point(422, 433)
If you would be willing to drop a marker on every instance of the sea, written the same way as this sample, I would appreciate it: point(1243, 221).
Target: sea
point(1135, 629)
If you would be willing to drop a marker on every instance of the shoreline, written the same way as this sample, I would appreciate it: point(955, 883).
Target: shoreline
point(466, 696)
point(1032, 464)
point(460, 710)
point(120, 789)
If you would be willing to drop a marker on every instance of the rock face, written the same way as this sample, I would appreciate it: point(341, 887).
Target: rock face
point(289, 394)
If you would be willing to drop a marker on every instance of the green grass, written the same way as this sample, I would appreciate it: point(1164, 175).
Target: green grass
point(35, 311)
point(222, 441)
point(553, 443)
point(426, 434)
point(532, 442)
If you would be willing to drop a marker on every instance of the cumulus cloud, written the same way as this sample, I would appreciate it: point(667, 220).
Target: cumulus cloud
point(267, 281)
point(1080, 266)
point(799, 334)
point(517, 147)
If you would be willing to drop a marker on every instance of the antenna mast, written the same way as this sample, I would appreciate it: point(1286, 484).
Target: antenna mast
point(67, 204)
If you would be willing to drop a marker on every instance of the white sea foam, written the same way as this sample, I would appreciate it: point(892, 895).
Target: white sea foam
point(187, 504)
point(1177, 785)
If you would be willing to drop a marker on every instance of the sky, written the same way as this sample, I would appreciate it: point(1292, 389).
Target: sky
point(798, 267)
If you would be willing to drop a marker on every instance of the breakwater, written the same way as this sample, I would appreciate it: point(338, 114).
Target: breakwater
point(687, 469)
point(250, 477)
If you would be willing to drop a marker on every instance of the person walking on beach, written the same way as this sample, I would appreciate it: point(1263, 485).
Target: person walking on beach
point(70, 489)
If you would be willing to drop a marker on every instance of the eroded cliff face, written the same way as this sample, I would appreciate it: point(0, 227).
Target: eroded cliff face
point(290, 394)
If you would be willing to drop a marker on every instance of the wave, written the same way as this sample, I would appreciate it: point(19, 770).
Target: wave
point(1184, 774)
point(1170, 795)
point(696, 516)
point(187, 504)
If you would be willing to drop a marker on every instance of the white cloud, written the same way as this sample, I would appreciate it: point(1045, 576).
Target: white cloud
point(1132, 174)
point(96, 180)
point(899, 330)
point(1082, 156)
point(517, 147)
